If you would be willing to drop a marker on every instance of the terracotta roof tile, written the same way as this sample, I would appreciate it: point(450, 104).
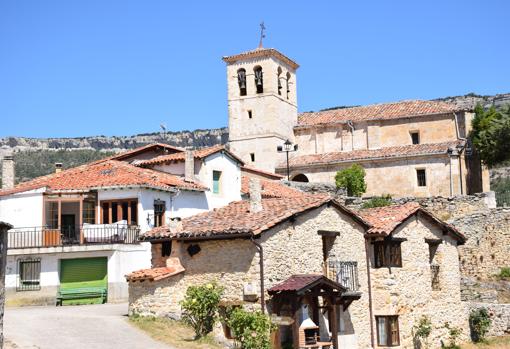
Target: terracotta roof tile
point(262, 173)
point(236, 219)
point(270, 189)
point(295, 283)
point(153, 274)
point(131, 152)
point(385, 111)
point(384, 220)
point(104, 173)
point(261, 52)
point(368, 154)
point(180, 156)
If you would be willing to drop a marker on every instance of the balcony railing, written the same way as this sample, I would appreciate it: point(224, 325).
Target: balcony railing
point(88, 234)
point(345, 273)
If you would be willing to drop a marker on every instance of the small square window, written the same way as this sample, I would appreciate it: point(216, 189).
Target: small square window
point(415, 137)
point(388, 253)
point(252, 157)
point(250, 114)
point(166, 248)
point(216, 182)
point(29, 275)
point(421, 177)
point(387, 331)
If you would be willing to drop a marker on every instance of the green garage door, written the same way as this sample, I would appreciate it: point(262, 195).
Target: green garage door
point(83, 273)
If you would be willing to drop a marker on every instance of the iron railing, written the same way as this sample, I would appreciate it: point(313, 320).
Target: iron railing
point(73, 235)
point(345, 273)
point(29, 272)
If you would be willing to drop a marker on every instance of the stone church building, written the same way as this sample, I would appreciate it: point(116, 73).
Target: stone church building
point(407, 148)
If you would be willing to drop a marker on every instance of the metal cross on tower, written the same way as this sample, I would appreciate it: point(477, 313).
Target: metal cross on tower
point(262, 35)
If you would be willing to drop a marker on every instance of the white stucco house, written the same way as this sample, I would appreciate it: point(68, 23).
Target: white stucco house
point(78, 228)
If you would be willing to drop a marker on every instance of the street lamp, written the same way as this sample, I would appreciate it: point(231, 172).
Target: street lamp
point(287, 148)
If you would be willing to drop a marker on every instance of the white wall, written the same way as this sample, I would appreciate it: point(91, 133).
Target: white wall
point(22, 209)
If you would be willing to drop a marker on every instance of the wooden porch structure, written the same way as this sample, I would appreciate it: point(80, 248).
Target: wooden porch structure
point(304, 298)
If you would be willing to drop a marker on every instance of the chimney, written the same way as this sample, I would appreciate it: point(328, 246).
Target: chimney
point(189, 166)
point(255, 195)
point(8, 172)
point(58, 167)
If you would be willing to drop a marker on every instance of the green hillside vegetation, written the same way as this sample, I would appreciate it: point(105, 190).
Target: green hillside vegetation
point(35, 163)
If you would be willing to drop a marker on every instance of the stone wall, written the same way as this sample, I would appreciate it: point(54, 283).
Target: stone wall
point(487, 249)
point(500, 317)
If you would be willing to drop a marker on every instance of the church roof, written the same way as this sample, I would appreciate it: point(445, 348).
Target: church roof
point(371, 154)
point(385, 111)
point(259, 53)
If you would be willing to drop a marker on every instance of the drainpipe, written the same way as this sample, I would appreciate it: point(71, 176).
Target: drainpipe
point(451, 175)
point(370, 305)
point(460, 152)
point(172, 197)
point(351, 125)
point(260, 250)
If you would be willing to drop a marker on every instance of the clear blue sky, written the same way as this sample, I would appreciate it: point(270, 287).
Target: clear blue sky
point(121, 67)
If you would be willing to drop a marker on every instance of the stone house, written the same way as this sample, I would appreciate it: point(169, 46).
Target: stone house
point(359, 279)
point(79, 227)
point(408, 148)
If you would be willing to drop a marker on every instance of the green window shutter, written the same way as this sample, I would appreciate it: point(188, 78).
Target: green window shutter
point(216, 182)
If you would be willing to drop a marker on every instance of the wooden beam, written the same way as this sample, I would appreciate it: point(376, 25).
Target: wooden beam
point(328, 233)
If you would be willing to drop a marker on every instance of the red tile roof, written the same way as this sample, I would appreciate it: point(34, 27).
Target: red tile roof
point(270, 189)
point(236, 220)
point(105, 173)
point(261, 173)
point(261, 52)
point(180, 156)
point(384, 111)
point(372, 154)
point(148, 147)
point(153, 274)
point(302, 282)
point(384, 220)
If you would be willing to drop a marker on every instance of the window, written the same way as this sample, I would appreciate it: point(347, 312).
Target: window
point(52, 214)
point(388, 253)
point(252, 157)
point(89, 212)
point(29, 275)
point(216, 182)
point(250, 114)
point(387, 331)
point(117, 210)
point(166, 248)
point(259, 80)
point(279, 72)
point(421, 178)
point(159, 213)
point(288, 85)
point(241, 80)
point(415, 137)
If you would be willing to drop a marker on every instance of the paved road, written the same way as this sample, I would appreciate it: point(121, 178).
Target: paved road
point(75, 327)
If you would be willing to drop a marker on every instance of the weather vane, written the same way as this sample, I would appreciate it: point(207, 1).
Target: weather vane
point(262, 34)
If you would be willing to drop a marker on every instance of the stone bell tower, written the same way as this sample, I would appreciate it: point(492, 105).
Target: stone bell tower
point(262, 105)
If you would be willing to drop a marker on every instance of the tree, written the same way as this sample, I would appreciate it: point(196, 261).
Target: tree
point(491, 134)
point(352, 179)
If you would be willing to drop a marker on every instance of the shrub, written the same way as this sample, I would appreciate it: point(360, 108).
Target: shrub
point(200, 305)
point(504, 273)
point(252, 330)
point(479, 323)
point(423, 328)
point(352, 179)
point(378, 201)
point(453, 335)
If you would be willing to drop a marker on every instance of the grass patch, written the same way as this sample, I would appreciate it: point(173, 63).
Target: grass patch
point(496, 342)
point(174, 333)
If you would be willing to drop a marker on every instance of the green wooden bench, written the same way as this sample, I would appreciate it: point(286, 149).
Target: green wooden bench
point(81, 293)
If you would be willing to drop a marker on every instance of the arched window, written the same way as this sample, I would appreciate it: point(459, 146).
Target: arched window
point(288, 85)
point(278, 77)
point(300, 178)
point(241, 80)
point(259, 83)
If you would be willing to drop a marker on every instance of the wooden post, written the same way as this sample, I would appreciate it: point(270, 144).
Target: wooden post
point(334, 324)
point(4, 227)
point(80, 220)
